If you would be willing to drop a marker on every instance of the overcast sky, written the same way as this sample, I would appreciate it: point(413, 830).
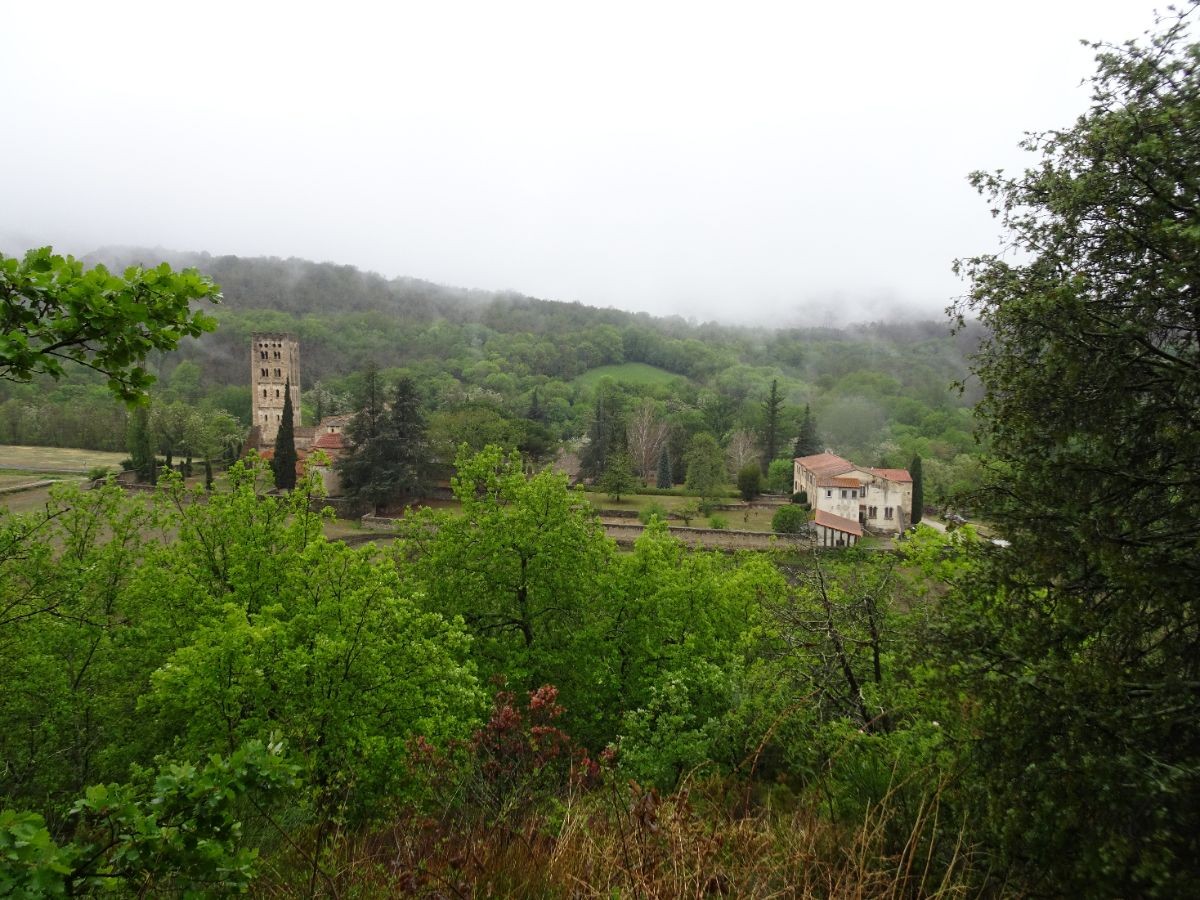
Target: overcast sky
point(777, 162)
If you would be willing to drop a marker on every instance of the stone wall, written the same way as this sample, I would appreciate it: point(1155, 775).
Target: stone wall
point(713, 539)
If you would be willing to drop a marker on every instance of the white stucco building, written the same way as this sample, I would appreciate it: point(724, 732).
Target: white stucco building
point(850, 498)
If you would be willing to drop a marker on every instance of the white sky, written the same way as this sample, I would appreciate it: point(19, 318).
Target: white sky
point(772, 162)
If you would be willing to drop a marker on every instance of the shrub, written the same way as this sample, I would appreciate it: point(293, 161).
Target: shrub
point(95, 473)
point(800, 497)
point(749, 481)
point(719, 523)
point(652, 511)
point(789, 520)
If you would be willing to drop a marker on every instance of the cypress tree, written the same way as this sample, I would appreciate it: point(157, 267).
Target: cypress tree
point(141, 445)
point(808, 442)
point(536, 413)
point(771, 412)
point(918, 497)
point(664, 470)
point(283, 464)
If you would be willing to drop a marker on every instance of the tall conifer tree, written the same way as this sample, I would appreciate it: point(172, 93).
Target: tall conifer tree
point(283, 463)
point(918, 495)
point(808, 442)
point(141, 444)
point(772, 408)
point(664, 470)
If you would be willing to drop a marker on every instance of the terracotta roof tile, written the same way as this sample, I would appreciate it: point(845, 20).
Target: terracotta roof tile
point(838, 523)
point(825, 464)
point(898, 475)
point(329, 441)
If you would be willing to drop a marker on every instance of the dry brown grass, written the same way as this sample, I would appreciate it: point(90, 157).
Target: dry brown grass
point(623, 842)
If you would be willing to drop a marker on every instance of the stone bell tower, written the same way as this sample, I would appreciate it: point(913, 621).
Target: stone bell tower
point(274, 362)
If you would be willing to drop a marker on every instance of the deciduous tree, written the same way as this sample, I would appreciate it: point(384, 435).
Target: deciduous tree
point(706, 476)
point(53, 310)
point(523, 565)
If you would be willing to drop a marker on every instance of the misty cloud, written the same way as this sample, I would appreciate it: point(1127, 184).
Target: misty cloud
point(775, 163)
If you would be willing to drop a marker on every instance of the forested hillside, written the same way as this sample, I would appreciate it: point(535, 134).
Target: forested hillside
point(487, 364)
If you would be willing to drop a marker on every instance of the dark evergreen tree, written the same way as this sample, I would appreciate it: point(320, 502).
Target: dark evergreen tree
point(808, 442)
point(772, 409)
point(141, 444)
point(536, 413)
point(664, 470)
point(918, 483)
point(606, 434)
point(1079, 645)
point(388, 457)
point(283, 463)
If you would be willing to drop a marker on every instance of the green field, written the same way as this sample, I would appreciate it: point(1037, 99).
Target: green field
point(628, 373)
point(57, 459)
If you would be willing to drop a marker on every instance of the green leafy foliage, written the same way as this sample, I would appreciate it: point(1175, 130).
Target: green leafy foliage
point(178, 832)
point(522, 565)
point(705, 469)
point(780, 476)
point(652, 511)
point(618, 477)
point(54, 310)
point(749, 481)
point(1079, 643)
point(790, 519)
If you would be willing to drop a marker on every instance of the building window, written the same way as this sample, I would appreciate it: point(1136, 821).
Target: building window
point(279, 373)
point(829, 493)
point(264, 372)
point(872, 512)
point(262, 354)
point(264, 393)
point(277, 354)
point(843, 493)
point(276, 393)
point(887, 512)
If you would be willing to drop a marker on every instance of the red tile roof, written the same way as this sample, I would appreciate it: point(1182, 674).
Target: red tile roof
point(838, 523)
point(329, 441)
point(838, 481)
point(898, 475)
point(825, 464)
